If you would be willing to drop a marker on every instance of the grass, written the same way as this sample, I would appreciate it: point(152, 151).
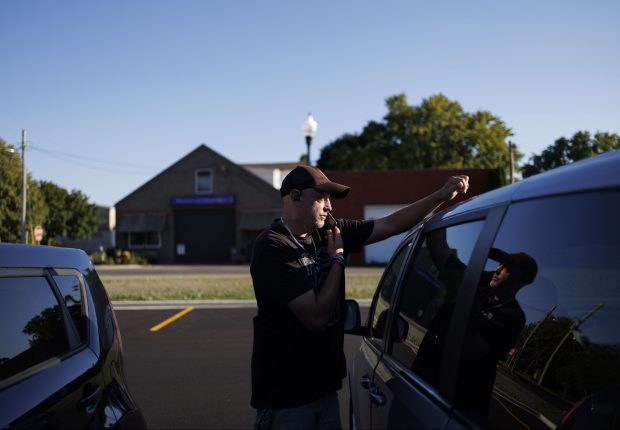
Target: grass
point(210, 287)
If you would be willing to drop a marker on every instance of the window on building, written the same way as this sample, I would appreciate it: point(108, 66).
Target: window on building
point(149, 239)
point(204, 181)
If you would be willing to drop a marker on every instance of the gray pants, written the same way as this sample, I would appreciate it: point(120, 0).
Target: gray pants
point(323, 413)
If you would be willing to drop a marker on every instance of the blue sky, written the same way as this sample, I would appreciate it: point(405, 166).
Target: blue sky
point(146, 82)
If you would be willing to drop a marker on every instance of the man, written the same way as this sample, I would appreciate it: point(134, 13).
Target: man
point(297, 270)
point(496, 323)
point(494, 326)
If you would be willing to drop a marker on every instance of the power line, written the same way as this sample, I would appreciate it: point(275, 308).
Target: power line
point(96, 164)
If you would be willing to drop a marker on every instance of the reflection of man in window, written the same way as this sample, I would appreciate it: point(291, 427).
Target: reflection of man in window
point(496, 322)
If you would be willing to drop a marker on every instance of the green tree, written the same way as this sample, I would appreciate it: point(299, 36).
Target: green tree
point(436, 134)
point(11, 197)
point(56, 223)
point(71, 215)
point(83, 219)
point(565, 151)
point(10, 194)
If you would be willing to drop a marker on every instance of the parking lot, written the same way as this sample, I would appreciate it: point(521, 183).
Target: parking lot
point(195, 371)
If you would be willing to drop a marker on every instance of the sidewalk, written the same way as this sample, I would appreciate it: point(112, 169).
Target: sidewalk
point(134, 305)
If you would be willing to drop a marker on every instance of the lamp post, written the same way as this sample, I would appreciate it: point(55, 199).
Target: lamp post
point(309, 129)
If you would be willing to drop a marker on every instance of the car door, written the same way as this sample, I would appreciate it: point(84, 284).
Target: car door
point(48, 374)
point(406, 387)
point(371, 348)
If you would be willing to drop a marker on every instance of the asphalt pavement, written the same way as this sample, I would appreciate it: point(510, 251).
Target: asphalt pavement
point(194, 373)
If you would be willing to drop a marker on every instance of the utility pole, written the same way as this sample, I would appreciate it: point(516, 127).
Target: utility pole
point(24, 187)
point(512, 168)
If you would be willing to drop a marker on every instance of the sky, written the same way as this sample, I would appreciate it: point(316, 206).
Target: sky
point(111, 93)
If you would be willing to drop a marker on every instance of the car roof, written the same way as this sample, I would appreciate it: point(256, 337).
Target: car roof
point(598, 172)
point(30, 256)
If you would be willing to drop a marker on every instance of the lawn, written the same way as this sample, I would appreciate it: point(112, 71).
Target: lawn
point(211, 287)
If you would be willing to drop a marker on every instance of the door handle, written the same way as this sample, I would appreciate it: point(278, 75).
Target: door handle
point(377, 397)
point(89, 399)
point(366, 381)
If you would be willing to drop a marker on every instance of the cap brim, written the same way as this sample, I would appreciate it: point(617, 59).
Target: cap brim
point(336, 191)
point(498, 255)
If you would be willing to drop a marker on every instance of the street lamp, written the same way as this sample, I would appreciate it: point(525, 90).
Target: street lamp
point(309, 129)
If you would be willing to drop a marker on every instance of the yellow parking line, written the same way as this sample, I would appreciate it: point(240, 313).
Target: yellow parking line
point(172, 319)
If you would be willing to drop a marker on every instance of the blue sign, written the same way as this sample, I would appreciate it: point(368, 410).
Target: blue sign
point(210, 200)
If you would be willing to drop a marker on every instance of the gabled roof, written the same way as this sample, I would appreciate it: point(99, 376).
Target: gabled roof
point(203, 150)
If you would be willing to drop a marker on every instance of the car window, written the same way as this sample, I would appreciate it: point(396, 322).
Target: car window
point(385, 292)
point(71, 291)
point(425, 303)
point(32, 329)
point(563, 365)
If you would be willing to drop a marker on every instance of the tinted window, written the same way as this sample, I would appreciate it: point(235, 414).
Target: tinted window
point(426, 301)
point(385, 293)
point(32, 329)
point(567, 354)
point(70, 290)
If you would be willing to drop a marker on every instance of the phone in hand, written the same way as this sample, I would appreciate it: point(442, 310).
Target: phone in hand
point(330, 220)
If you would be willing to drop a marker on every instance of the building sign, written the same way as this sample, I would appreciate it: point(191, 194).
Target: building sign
point(210, 200)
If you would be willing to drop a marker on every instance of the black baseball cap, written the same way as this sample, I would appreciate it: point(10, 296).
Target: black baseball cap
point(517, 260)
point(302, 177)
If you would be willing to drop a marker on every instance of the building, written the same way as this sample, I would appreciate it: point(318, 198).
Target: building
point(272, 173)
point(202, 209)
point(206, 209)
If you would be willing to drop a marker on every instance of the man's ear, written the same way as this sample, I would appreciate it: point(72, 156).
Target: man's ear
point(296, 195)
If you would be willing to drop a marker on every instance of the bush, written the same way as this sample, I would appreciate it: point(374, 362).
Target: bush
point(117, 256)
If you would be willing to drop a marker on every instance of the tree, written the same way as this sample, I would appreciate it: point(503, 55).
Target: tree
point(11, 197)
point(71, 215)
point(56, 223)
point(83, 219)
point(59, 212)
point(565, 151)
point(436, 134)
point(10, 194)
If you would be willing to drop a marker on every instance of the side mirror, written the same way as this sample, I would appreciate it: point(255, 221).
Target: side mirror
point(402, 329)
point(353, 317)
point(352, 322)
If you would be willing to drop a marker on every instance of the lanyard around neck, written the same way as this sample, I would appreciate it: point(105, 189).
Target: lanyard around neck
point(303, 248)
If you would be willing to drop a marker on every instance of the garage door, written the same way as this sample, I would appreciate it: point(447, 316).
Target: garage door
point(204, 236)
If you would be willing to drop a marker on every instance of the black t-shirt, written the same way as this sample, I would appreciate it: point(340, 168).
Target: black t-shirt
point(292, 365)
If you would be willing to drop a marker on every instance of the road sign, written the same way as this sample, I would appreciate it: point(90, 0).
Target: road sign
point(38, 233)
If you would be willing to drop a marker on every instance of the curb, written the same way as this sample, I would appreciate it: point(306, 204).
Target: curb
point(134, 305)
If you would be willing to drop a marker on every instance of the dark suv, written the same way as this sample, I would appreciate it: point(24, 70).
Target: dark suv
point(501, 312)
point(60, 347)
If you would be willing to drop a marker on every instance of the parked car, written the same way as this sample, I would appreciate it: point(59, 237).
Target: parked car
point(61, 360)
point(438, 351)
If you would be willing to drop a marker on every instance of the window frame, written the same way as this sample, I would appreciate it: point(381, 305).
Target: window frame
point(491, 218)
point(145, 245)
point(75, 344)
point(197, 172)
point(410, 241)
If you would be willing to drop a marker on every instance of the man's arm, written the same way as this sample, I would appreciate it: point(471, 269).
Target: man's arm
point(314, 309)
point(407, 217)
